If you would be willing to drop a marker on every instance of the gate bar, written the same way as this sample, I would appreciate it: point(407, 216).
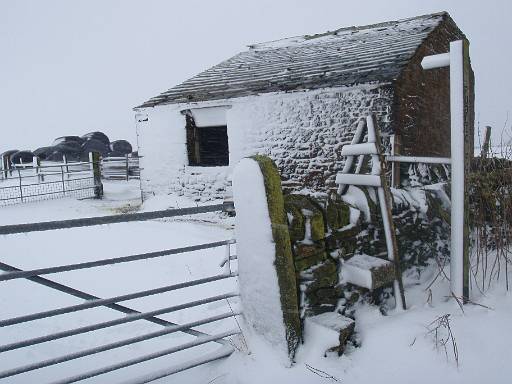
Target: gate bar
point(114, 306)
point(111, 323)
point(102, 302)
point(112, 219)
point(217, 355)
point(199, 341)
point(115, 260)
point(114, 345)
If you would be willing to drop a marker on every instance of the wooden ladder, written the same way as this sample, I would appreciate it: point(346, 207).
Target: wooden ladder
point(350, 175)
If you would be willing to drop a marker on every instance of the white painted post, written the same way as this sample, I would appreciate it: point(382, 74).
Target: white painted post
point(127, 168)
point(35, 168)
point(457, 154)
point(91, 162)
point(455, 60)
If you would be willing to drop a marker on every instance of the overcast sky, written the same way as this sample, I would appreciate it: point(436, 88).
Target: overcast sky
point(71, 67)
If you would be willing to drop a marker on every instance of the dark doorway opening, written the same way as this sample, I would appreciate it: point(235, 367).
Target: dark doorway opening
point(207, 146)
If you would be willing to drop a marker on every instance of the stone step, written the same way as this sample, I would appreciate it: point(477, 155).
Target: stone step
point(367, 272)
point(330, 329)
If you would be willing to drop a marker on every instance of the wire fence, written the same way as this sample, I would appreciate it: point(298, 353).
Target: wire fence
point(201, 338)
point(112, 168)
point(27, 183)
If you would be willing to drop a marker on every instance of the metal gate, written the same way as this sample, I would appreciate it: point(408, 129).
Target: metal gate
point(92, 301)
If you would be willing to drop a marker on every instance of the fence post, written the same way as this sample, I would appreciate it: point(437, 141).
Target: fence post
point(487, 140)
point(21, 185)
point(268, 285)
point(62, 178)
point(4, 166)
point(35, 167)
point(127, 168)
point(65, 160)
point(461, 148)
point(91, 161)
point(95, 164)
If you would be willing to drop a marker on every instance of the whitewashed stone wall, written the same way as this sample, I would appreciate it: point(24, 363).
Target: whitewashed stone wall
point(303, 132)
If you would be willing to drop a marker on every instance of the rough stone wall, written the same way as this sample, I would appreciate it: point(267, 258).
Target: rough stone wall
point(316, 269)
point(201, 183)
point(326, 233)
point(303, 132)
point(421, 105)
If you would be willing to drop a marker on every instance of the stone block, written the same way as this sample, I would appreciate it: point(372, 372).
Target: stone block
point(337, 214)
point(308, 255)
point(319, 309)
point(368, 272)
point(340, 328)
point(304, 212)
point(324, 275)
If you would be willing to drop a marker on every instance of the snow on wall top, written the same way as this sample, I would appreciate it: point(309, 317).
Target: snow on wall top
point(347, 56)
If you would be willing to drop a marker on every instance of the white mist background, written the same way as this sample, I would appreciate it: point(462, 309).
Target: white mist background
point(71, 67)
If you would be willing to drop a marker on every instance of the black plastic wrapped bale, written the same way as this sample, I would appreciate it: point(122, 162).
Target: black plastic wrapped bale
point(99, 136)
point(54, 155)
point(68, 139)
point(122, 147)
point(43, 152)
point(71, 146)
point(22, 157)
point(93, 145)
point(116, 154)
point(5, 158)
point(71, 149)
point(9, 153)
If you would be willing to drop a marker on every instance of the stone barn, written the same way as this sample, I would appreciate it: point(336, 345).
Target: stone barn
point(298, 100)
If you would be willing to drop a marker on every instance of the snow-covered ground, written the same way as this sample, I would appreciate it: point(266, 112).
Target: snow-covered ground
point(396, 348)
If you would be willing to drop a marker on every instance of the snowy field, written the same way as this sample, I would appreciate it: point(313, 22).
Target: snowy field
point(397, 348)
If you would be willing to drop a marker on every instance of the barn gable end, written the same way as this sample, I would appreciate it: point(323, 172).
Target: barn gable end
point(421, 105)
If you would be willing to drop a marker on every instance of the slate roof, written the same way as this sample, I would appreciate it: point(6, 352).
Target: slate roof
point(347, 56)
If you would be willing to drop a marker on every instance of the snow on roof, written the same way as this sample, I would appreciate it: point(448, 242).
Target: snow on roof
point(347, 56)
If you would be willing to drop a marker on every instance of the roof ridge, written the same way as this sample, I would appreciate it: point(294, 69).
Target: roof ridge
point(261, 45)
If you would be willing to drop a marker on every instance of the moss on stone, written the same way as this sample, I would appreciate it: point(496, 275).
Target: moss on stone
point(317, 226)
point(296, 221)
point(327, 268)
point(309, 209)
point(383, 276)
point(337, 214)
point(284, 259)
point(304, 264)
point(303, 251)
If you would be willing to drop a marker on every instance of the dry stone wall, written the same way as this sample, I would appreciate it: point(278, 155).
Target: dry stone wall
point(325, 233)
